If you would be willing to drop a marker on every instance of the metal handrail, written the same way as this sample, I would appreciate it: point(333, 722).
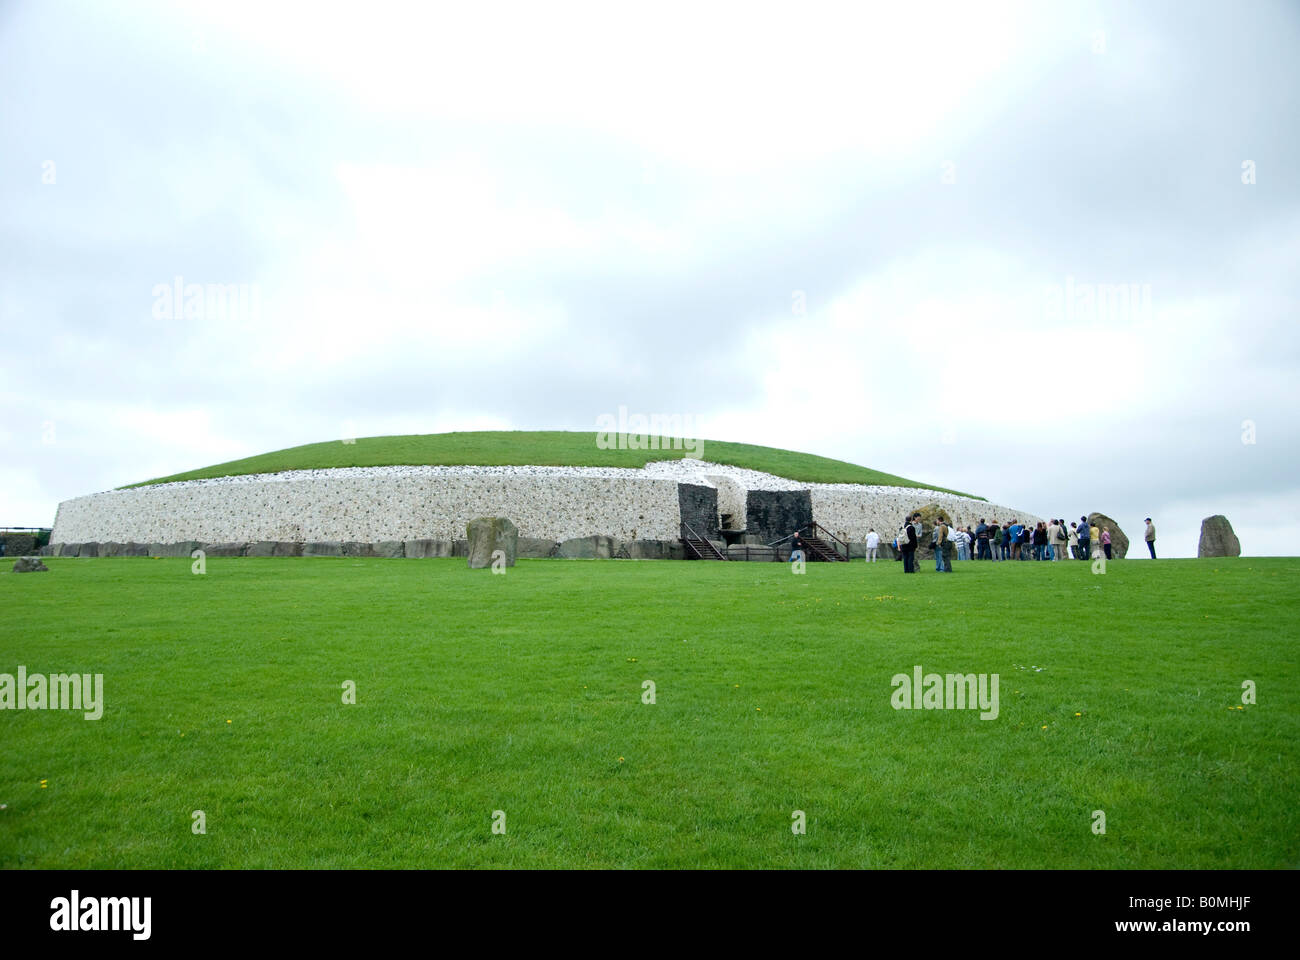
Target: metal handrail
point(816, 527)
point(691, 530)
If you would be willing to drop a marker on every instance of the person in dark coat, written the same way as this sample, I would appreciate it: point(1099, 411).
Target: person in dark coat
point(908, 546)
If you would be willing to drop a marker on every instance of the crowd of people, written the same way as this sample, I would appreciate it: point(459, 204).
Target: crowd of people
point(1050, 540)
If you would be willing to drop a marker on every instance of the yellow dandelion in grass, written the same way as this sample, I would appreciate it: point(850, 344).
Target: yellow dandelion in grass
point(736, 685)
point(1241, 708)
point(1044, 726)
point(227, 721)
point(1078, 714)
point(620, 759)
point(758, 708)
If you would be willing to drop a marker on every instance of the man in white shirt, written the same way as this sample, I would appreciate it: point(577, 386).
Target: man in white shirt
point(873, 541)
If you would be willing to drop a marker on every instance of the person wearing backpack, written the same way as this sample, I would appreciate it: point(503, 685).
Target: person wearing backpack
point(907, 546)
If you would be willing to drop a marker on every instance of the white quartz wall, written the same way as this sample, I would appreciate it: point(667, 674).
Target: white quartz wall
point(372, 509)
point(850, 511)
point(373, 504)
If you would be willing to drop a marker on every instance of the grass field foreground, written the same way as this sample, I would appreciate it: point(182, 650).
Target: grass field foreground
point(524, 693)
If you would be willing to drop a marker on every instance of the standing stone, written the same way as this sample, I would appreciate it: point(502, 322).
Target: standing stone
point(931, 514)
point(1118, 538)
point(1217, 538)
point(486, 536)
point(30, 565)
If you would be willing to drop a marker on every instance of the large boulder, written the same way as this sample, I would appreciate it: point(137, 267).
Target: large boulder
point(275, 548)
point(930, 515)
point(322, 548)
point(182, 548)
point(30, 565)
point(427, 549)
point(646, 550)
point(588, 548)
point(486, 536)
point(748, 552)
point(1118, 538)
point(1217, 538)
point(536, 548)
point(225, 549)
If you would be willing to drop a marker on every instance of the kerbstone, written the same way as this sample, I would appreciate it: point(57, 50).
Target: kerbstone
point(588, 548)
point(322, 548)
point(427, 549)
point(225, 549)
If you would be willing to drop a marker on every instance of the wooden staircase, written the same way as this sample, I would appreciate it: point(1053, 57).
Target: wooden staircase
point(820, 545)
point(818, 549)
point(697, 547)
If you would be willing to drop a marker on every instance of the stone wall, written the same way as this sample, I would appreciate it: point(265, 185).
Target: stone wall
point(698, 506)
point(773, 514)
point(373, 509)
point(851, 512)
point(422, 508)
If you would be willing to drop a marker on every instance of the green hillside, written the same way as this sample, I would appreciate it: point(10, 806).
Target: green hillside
point(546, 448)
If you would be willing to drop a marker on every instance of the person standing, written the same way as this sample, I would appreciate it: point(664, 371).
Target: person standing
point(1150, 537)
point(1074, 540)
point(1051, 538)
point(907, 546)
point(1085, 538)
point(1062, 539)
point(873, 543)
point(945, 547)
point(1105, 541)
point(1096, 540)
point(982, 541)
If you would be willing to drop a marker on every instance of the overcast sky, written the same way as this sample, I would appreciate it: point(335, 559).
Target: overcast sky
point(895, 236)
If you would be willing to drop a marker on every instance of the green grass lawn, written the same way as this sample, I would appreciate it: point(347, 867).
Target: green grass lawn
point(522, 693)
point(544, 448)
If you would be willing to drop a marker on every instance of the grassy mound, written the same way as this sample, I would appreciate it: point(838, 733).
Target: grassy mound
point(224, 693)
point(544, 448)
